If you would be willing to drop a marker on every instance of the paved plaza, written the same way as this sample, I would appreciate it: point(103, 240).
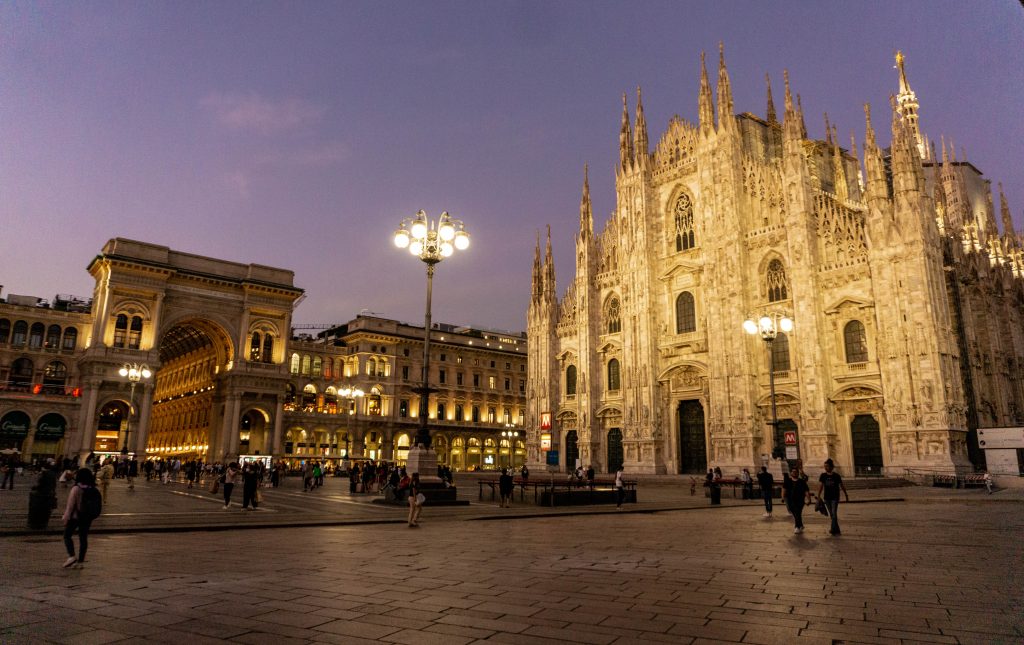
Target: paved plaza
point(912, 565)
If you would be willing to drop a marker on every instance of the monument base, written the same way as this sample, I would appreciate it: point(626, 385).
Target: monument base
point(424, 461)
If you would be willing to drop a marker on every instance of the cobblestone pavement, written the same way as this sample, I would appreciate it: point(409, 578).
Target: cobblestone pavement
point(901, 572)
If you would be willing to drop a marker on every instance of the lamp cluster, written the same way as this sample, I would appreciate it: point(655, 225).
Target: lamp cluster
point(430, 241)
point(768, 325)
point(135, 372)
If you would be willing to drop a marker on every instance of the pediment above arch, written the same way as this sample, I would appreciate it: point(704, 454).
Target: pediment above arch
point(855, 393)
point(609, 411)
point(681, 267)
point(609, 347)
point(845, 302)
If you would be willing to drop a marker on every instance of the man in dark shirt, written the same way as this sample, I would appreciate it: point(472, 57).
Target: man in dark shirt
point(830, 483)
point(767, 484)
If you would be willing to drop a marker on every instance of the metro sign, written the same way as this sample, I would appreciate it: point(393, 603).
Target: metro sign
point(790, 438)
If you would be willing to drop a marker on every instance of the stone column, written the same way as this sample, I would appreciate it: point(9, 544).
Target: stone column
point(142, 424)
point(87, 419)
point(276, 447)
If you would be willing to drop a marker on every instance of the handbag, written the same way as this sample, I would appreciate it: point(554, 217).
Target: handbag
point(259, 497)
point(215, 486)
point(420, 499)
point(819, 506)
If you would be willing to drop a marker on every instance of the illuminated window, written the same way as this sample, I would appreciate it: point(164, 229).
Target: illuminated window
point(403, 408)
point(491, 382)
point(255, 347)
point(305, 364)
point(294, 365)
point(492, 415)
point(318, 366)
point(135, 333)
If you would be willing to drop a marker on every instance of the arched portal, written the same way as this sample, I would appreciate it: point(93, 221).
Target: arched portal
point(693, 451)
point(111, 422)
point(615, 454)
point(254, 434)
point(866, 439)
point(572, 450)
point(193, 354)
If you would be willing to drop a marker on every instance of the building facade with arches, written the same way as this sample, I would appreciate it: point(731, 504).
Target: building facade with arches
point(230, 380)
point(908, 301)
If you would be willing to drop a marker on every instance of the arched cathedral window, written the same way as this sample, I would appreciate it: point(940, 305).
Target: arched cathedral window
point(856, 342)
point(611, 315)
point(570, 380)
point(780, 353)
point(778, 288)
point(683, 212)
point(686, 316)
point(613, 375)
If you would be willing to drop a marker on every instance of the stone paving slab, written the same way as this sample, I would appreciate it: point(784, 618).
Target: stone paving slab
point(901, 573)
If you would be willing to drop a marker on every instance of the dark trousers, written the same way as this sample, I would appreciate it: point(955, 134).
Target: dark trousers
point(83, 537)
point(833, 512)
point(248, 496)
point(227, 493)
point(767, 494)
point(8, 477)
point(620, 496)
point(796, 508)
point(716, 494)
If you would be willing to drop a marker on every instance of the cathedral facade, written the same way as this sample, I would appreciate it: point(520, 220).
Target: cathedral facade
point(907, 302)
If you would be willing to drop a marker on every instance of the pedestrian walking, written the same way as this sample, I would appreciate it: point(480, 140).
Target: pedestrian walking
point(748, 485)
point(716, 485)
point(9, 468)
point(505, 487)
point(524, 474)
point(829, 485)
point(767, 484)
point(229, 479)
point(307, 476)
point(105, 474)
point(620, 488)
point(988, 482)
point(250, 486)
point(82, 508)
point(795, 494)
point(416, 500)
point(133, 472)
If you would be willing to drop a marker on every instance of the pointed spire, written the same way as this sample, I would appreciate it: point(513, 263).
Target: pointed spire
point(1004, 211)
point(790, 120)
point(828, 130)
point(842, 190)
point(538, 276)
point(800, 114)
point(705, 105)
point(770, 113)
point(586, 212)
point(625, 138)
point(726, 118)
point(549, 269)
point(904, 85)
point(640, 141)
point(869, 132)
point(945, 153)
point(856, 159)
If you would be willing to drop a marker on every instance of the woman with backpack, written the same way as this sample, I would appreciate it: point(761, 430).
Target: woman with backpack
point(84, 506)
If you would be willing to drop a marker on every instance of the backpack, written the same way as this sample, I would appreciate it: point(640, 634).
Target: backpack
point(91, 504)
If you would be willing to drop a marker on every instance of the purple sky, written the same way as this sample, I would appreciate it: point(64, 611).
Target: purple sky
point(299, 134)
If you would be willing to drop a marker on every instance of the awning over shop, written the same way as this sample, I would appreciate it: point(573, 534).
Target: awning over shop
point(14, 425)
point(51, 426)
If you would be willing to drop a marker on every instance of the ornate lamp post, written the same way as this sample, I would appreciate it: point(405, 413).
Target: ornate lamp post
point(134, 373)
point(431, 242)
point(769, 326)
point(511, 434)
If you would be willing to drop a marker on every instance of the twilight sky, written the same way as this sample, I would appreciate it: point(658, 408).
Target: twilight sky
point(299, 134)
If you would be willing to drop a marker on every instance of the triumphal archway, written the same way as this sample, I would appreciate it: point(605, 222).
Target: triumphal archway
point(214, 334)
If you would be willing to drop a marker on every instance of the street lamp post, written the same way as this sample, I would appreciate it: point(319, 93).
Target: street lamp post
point(510, 433)
point(351, 394)
point(768, 327)
point(431, 242)
point(134, 373)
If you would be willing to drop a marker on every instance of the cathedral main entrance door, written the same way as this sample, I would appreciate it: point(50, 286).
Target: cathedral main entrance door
point(615, 454)
point(693, 449)
point(867, 446)
point(572, 450)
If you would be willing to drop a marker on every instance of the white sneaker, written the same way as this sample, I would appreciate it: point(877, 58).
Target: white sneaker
point(70, 561)
point(798, 530)
point(767, 515)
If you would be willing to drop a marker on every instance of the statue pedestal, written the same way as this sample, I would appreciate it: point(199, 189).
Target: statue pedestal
point(424, 461)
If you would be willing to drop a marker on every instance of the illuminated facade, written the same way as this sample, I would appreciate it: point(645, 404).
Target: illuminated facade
point(908, 301)
point(230, 380)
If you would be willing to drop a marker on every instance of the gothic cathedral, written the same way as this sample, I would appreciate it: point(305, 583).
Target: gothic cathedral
point(906, 302)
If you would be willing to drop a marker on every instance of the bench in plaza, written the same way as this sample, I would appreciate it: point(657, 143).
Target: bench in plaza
point(573, 493)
